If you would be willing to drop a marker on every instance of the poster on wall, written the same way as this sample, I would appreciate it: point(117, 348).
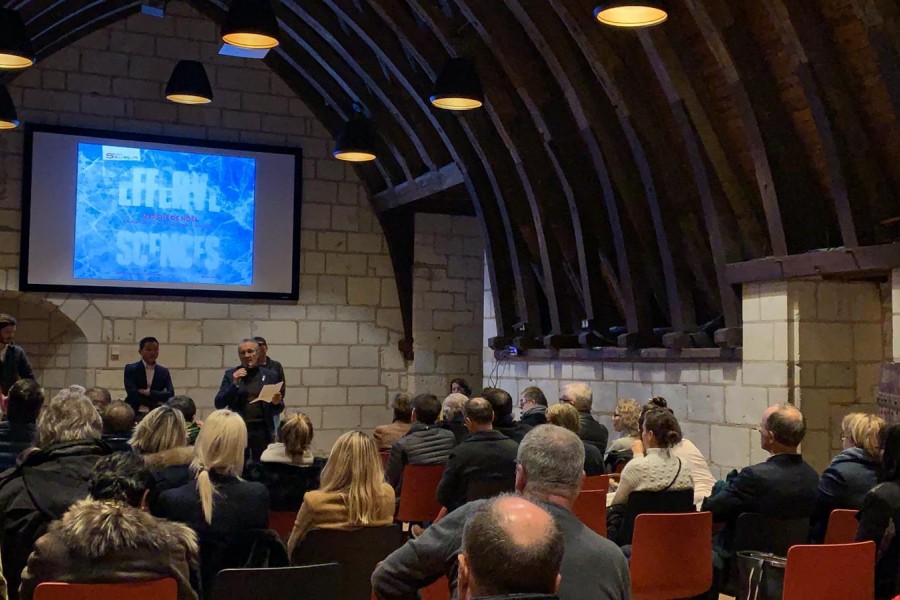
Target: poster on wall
point(889, 392)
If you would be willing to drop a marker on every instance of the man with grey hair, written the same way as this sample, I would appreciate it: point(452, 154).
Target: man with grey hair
point(241, 386)
point(549, 473)
point(48, 479)
point(511, 548)
point(581, 397)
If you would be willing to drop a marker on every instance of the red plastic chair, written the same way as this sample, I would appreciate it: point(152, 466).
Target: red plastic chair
point(830, 572)
point(596, 483)
point(384, 455)
point(159, 589)
point(842, 526)
point(418, 501)
point(439, 590)
point(590, 508)
point(671, 556)
point(282, 522)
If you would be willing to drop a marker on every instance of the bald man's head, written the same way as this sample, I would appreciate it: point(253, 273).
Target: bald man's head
point(782, 428)
point(510, 546)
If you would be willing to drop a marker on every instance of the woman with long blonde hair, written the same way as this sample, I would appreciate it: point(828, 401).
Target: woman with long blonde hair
point(161, 439)
point(352, 492)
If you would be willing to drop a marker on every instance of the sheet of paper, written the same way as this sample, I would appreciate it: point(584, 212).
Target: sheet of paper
point(267, 393)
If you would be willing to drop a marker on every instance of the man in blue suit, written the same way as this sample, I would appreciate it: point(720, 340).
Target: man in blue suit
point(147, 384)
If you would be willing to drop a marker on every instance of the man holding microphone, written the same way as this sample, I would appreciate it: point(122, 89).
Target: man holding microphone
point(241, 386)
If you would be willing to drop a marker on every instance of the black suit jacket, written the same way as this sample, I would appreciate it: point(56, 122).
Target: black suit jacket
point(161, 388)
point(483, 455)
point(593, 432)
point(15, 367)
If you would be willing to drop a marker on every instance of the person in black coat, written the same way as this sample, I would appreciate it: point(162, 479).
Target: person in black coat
point(502, 405)
point(24, 404)
point(452, 418)
point(485, 455)
point(141, 395)
point(15, 365)
point(240, 387)
point(533, 406)
point(591, 431)
point(564, 415)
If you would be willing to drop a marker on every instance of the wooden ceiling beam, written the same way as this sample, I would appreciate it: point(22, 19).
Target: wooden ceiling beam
point(836, 261)
point(423, 186)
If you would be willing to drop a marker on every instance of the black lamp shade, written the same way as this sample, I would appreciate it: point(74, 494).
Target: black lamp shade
point(458, 87)
point(8, 117)
point(16, 51)
point(356, 143)
point(251, 24)
point(189, 84)
point(631, 13)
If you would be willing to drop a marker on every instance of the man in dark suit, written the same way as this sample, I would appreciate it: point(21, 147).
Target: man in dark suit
point(240, 387)
point(581, 397)
point(502, 405)
point(14, 363)
point(147, 384)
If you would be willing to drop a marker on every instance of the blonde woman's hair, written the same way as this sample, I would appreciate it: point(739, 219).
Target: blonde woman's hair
point(162, 429)
point(863, 429)
point(629, 411)
point(296, 433)
point(354, 470)
point(565, 415)
point(219, 448)
point(70, 416)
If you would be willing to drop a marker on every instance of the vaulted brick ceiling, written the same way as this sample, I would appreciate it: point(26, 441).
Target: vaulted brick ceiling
point(627, 178)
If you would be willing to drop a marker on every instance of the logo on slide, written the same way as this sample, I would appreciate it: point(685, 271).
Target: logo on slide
point(121, 153)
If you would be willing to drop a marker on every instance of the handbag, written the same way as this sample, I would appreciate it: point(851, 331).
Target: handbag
point(760, 575)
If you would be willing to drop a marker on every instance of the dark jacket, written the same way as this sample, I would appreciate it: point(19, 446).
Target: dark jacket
point(483, 455)
point(514, 430)
point(169, 469)
point(593, 432)
point(879, 521)
point(287, 484)
point(457, 426)
point(593, 460)
point(111, 542)
point(14, 438)
point(39, 489)
point(422, 445)
point(15, 366)
point(161, 388)
point(534, 416)
point(593, 568)
point(117, 442)
point(259, 416)
point(844, 484)
point(275, 366)
point(782, 487)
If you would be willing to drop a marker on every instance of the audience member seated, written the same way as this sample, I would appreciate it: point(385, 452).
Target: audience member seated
point(581, 397)
point(23, 405)
point(187, 407)
point(880, 512)
point(452, 418)
point(118, 423)
point(626, 424)
point(851, 474)
point(502, 404)
point(109, 537)
point(161, 439)
point(353, 493)
point(782, 487)
point(533, 406)
point(423, 444)
point(47, 481)
point(101, 398)
point(386, 435)
point(288, 468)
point(656, 470)
point(549, 472)
point(485, 455)
point(565, 415)
point(460, 386)
point(511, 548)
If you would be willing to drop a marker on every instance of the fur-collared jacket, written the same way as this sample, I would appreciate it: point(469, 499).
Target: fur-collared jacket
point(170, 469)
point(110, 541)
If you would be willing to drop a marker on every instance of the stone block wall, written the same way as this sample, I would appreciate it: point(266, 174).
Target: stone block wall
point(338, 343)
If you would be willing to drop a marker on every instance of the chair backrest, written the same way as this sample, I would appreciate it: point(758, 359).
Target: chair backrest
point(671, 555)
point(842, 526)
point(418, 501)
point(767, 534)
point(482, 489)
point(358, 552)
point(672, 501)
point(282, 522)
point(439, 590)
point(596, 483)
point(311, 582)
point(384, 455)
point(830, 572)
point(590, 508)
point(159, 589)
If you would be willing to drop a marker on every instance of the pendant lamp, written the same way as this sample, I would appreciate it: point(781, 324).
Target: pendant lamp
point(251, 24)
point(189, 84)
point(16, 51)
point(631, 13)
point(458, 87)
point(356, 143)
point(8, 117)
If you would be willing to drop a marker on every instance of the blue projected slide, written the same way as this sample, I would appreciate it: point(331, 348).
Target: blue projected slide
point(157, 215)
